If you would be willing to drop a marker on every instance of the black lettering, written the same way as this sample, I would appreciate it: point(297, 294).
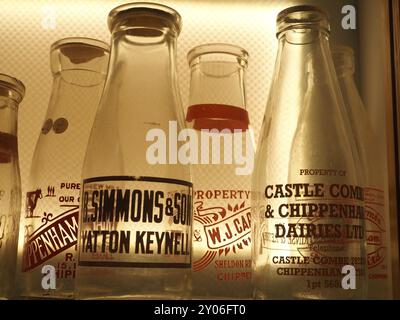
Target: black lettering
point(169, 209)
point(169, 242)
point(177, 243)
point(149, 242)
point(122, 206)
point(177, 207)
point(136, 205)
point(148, 206)
point(289, 191)
point(183, 209)
point(159, 241)
point(291, 230)
point(157, 203)
point(124, 241)
point(108, 206)
point(104, 233)
point(279, 191)
point(87, 241)
point(297, 187)
point(85, 206)
point(280, 230)
point(267, 194)
point(95, 206)
point(280, 211)
point(140, 242)
point(113, 242)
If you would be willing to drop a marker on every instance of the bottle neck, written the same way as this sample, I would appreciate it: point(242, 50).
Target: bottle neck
point(217, 96)
point(142, 65)
point(307, 52)
point(312, 92)
point(217, 83)
point(297, 48)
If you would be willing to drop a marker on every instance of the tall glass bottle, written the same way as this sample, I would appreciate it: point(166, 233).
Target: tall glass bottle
point(308, 203)
point(367, 143)
point(11, 94)
point(79, 67)
point(135, 225)
point(221, 173)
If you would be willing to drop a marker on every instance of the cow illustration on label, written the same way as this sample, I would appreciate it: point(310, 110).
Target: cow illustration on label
point(32, 198)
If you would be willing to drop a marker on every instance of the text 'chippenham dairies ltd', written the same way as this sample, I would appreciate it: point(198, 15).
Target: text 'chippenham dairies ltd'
point(336, 202)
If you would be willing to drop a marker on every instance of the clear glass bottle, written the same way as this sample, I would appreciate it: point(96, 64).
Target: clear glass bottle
point(308, 204)
point(12, 92)
point(50, 222)
point(367, 144)
point(221, 179)
point(135, 226)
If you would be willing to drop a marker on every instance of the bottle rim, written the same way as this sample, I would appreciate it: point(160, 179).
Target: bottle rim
point(81, 41)
point(302, 17)
point(146, 9)
point(221, 48)
point(14, 87)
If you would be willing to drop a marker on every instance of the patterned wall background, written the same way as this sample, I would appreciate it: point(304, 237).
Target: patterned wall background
point(28, 28)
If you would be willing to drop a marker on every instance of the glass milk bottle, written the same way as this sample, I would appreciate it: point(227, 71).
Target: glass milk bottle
point(12, 92)
point(50, 220)
point(309, 230)
point(367, 144)
point(136, 207)
point(221, 172)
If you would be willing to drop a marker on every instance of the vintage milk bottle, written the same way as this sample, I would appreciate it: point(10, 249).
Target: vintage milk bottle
point(50, 220)
point(367, 144)
point(221, 172)
point(135, 227)
point(308, 206)
point(11, 94)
